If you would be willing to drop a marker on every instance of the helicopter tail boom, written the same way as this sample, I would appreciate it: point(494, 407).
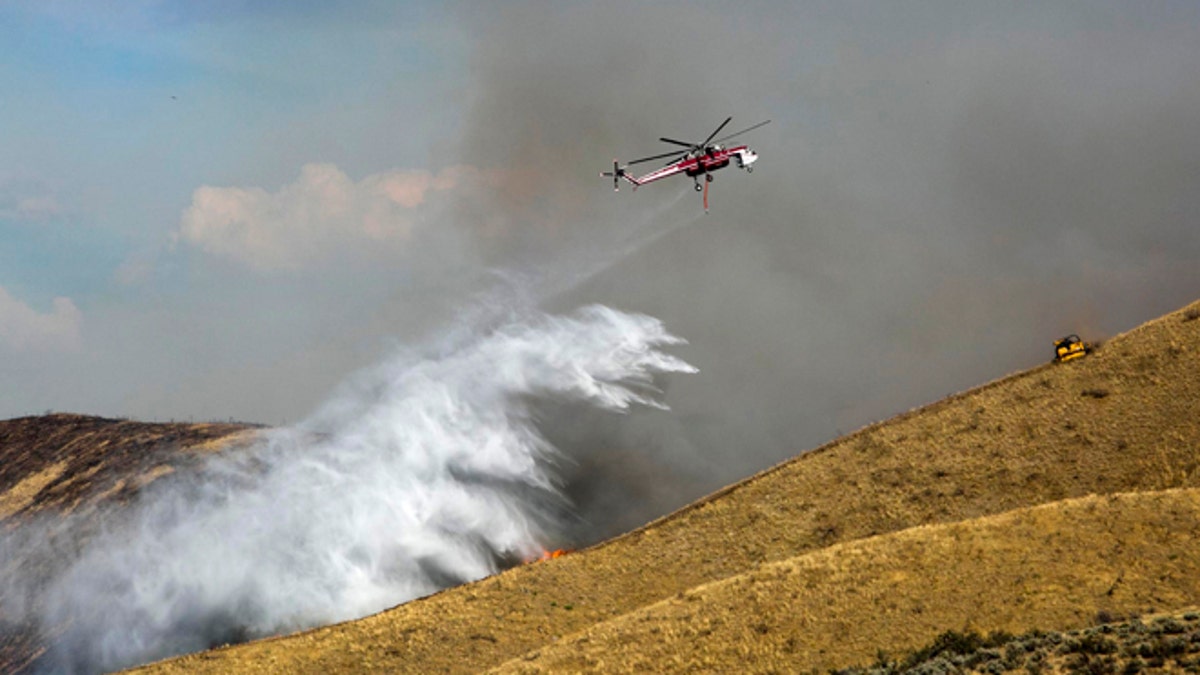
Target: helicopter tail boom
point(618, 173)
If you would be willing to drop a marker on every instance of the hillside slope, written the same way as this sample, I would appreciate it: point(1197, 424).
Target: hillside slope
point(1122, 420)
point(61, 462)
point(1059, 564)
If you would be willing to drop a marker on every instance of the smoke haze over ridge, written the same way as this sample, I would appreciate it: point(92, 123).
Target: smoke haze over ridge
point(945, 189)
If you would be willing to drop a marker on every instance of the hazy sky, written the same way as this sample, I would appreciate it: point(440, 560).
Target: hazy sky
point(220, 209)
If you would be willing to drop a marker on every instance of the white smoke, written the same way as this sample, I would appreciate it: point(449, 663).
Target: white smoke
point(427, 471)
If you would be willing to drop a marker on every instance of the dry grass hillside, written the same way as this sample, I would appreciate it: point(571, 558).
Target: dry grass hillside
point(55, 465)
point(62, 462)
point(1123, 420)
point(1059, 564)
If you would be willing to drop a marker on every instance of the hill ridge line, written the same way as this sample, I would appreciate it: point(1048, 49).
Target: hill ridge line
point(824, 448)
point(632, 533)
point(821, 449)
point(877, 479)
point(874, 426)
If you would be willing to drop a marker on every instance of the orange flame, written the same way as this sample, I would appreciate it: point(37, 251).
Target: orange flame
point(549, 555)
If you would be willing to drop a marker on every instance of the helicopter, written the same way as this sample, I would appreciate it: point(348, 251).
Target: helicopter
point(698, 159)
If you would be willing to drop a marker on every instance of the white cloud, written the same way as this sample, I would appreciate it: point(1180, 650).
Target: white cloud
point(22, 329)
point(27, 198)
point(322, 211)
point(38, 208)
point(136, 268)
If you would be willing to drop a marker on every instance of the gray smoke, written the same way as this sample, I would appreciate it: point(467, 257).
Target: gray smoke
point(945, 188)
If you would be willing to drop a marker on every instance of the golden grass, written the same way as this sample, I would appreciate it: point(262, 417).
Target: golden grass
point(223, 443)
point(57, 463)
point(1051, 566)
point(1033, 438)
point(139, 481)
point(24, 492)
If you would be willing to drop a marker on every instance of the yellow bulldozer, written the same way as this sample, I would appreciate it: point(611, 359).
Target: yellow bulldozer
point(1070, 347)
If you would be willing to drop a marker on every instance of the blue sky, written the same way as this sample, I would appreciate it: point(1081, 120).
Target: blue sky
point(215, 210)
point(116, 112)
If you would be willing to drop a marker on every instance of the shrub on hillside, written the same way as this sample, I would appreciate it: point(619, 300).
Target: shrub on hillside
point(1129, 648)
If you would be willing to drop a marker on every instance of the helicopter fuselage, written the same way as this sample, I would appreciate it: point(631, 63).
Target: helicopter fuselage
point(697, 159)
point(698, 163)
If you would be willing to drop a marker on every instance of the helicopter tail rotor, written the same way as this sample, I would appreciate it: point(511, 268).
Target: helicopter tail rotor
point(617, 173)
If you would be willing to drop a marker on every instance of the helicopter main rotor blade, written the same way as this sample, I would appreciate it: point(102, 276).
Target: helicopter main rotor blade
point(739, 133)
point(686, 145)
point(673, 153)
point(710, 136)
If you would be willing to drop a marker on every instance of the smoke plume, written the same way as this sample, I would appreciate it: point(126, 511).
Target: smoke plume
point(945, 188)
point(429, 470)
